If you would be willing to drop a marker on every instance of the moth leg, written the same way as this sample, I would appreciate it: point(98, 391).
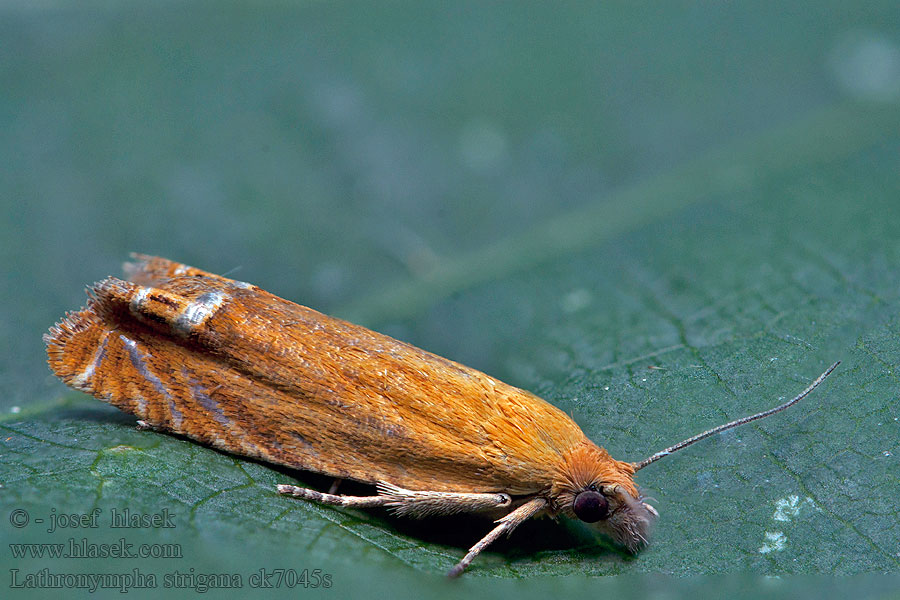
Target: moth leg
point(408, 503)
point(354, 501)
point(417, 504)
point(335, 485)
point(506, 525)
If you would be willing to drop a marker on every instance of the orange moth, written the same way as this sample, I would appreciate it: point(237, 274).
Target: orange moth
point(230, 365)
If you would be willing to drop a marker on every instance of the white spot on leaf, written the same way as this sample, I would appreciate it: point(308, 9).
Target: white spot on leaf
point(775, 542)
point(788, 508)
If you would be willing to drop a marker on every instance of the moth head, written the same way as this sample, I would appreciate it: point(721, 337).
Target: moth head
point(600, 491)
point(617, 514)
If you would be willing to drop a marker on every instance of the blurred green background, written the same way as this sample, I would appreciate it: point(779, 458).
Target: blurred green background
point(658, 217)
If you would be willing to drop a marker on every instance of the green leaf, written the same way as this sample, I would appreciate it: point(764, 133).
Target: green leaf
point(657, 220)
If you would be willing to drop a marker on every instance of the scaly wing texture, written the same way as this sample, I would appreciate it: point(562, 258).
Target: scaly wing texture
point(230, 365)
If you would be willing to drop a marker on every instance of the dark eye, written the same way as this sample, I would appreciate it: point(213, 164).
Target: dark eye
point(591, 506)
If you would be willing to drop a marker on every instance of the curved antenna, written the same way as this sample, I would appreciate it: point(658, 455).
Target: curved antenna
point(701, 436)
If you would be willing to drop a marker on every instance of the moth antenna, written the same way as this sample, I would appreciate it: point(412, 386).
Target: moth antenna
point(701, 436)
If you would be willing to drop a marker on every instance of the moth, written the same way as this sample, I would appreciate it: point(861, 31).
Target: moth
point(230, 365)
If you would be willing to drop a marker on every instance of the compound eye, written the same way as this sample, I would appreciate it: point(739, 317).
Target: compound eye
point(591, 506)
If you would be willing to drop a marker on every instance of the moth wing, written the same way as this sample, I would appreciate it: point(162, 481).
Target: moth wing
point(235, 367)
